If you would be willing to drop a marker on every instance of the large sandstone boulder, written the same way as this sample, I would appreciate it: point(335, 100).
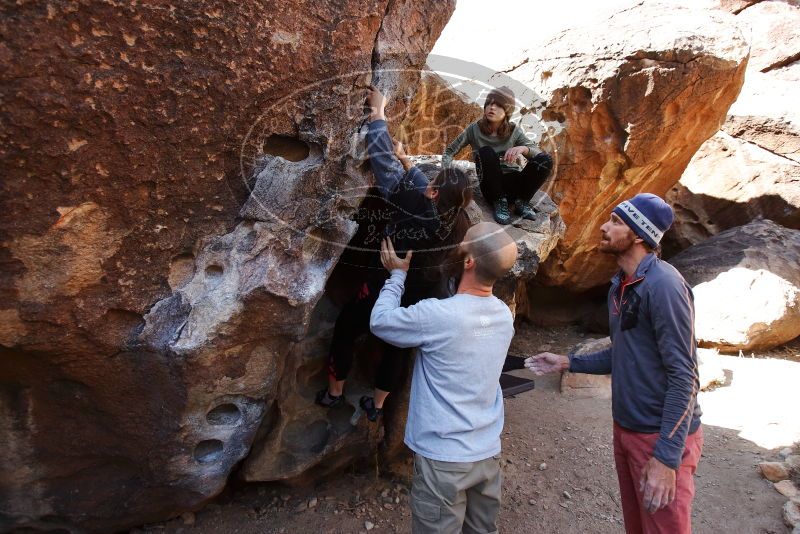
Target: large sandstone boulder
point(752, 166)
point(728, 183)
point(629, 101)
point(154, 308)
point(775, 33)
point(625, 104)
point(746, 286)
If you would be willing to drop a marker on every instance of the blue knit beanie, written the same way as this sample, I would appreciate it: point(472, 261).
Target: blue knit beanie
point(647, 215)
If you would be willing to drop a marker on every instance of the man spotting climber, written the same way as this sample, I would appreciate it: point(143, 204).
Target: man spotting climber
point(455, 413)
point(653, 360)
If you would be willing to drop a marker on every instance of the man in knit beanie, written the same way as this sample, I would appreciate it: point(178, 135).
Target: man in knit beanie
point(653, 360)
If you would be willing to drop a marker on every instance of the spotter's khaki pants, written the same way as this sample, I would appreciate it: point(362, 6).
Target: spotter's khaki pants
point(454, 497)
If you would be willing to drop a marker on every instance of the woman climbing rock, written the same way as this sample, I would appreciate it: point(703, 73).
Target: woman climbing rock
point(427, 218)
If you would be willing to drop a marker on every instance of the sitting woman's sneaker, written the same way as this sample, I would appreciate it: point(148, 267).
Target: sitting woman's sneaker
point(501, 213)
point(368, 405)
point(324, 398)
point(524, 210)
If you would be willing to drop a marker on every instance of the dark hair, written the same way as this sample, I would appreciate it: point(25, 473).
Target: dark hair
point(454, 196)
point(503, 97)
point(505, 129)
point(454, 193)
point(649, 248)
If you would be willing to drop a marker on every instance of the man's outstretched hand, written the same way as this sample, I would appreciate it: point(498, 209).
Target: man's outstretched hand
point(376, 103)
point(547, 362)
point(389, 258)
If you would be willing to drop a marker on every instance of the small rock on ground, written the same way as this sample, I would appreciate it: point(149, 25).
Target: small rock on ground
point(787, 488)
point(773, 471)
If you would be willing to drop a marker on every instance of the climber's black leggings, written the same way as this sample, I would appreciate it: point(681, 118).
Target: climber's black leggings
point(353, 321)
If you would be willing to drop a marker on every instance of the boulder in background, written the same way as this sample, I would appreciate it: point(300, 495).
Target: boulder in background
point(746, 286)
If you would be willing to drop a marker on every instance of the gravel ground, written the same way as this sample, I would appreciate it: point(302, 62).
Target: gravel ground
point(558, 473)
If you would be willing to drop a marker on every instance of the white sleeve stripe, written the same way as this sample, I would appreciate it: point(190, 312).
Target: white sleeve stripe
point(638, 218)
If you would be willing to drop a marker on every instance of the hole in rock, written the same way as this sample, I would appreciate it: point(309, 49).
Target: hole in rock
point(304, 438)
point(214, 275)
point(224, 414)
point(208, 451)
point(119, 327)
point(289, 148)
point(181, 270)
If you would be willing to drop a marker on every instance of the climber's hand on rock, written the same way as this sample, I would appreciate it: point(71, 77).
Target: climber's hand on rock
point(376, 103)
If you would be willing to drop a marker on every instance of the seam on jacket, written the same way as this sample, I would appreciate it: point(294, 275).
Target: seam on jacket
point(693, 398)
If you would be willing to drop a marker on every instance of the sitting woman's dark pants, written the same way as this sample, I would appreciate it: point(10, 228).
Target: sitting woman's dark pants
point(512, 185)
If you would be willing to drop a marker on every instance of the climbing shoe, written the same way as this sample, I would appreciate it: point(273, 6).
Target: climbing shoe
point(524, 210)
point(324, 398)
point(368, 405)
point(501, 213)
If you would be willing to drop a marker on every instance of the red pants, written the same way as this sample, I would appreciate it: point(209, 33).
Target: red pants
point(632, 450)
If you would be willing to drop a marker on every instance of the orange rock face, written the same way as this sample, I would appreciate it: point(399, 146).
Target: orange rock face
point(436, 116)
point(628, 104)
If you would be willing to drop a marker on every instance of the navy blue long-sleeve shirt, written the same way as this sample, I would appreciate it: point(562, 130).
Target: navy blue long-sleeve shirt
point(414, 221)
point(388, 170)
point(652, 358)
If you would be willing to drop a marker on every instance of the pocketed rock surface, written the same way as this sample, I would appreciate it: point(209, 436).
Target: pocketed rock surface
point(178, 184)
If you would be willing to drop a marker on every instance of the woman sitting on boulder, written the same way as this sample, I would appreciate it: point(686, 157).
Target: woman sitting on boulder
point(497, 143)
point(427, 218)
